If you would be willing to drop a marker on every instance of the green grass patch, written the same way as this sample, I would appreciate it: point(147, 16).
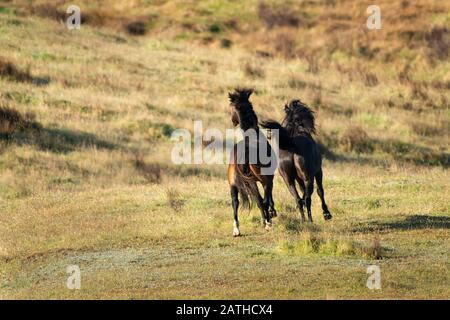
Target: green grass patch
point(314, 243)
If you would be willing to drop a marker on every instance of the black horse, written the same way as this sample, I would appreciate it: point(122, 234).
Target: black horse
point(300, 157)
point(246, 168)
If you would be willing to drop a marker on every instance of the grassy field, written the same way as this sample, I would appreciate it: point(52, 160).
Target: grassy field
point(85, 171)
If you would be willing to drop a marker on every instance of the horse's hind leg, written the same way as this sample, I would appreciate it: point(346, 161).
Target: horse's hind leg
point(272, 210)
point(235, 202)
point(308, 194)
point(268, 198)
point(320, 191)
point(290, 182)
point(266, 219)
point(301, 183)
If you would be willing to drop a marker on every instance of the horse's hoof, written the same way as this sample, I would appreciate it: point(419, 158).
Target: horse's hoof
point(273, 214)
point(268, 225)
point(236, 232)
point(327, 216)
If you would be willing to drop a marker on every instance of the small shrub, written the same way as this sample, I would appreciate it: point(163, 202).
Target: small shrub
point(277, 17)
point(152, 172)
point(226, 43)
point(47, 10)
point(284, 247)
point(150, 130)
point(438, 40)
point(313, 65)
point(329, 247)
point(10, 71)
point(10, 120)
point(346, 248)
point(296, 83)
point(285, 45)
point(312, 243)
point(101, 16)
point(425, 130)
point(370, 79)
point(407, 106)
point(253, 71)
point(293, 224)
point(419, 91)
point(317, 96)
point(215, 28)
point(174, 199)
point(375, 250)
point(373, 204)
point(137, 28)
point(356, 139)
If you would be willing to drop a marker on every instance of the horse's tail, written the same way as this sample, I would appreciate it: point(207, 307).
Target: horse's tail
point(285, 140)
point(248, 192)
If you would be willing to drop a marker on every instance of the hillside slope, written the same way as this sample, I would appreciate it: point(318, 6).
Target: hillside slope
point(88, 180)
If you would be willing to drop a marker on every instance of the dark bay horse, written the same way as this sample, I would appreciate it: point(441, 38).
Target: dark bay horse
point(299, 156)
point(246, 167)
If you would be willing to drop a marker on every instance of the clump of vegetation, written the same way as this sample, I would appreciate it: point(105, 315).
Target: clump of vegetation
point(159, 130)
point(313, 65)
point(152, 172)
point(12, 121)
point(438, 40)
point(426, 130)
point(253, 71)
point(375, 250)
point(312, 243)
point(46, 10)
point(226, 43)
point(296, 83)
point(285, 44)
point(295, 225)
point(11, 72)
point(174, 199)
point(356, 139)
point(278, 16)
point(138, 28)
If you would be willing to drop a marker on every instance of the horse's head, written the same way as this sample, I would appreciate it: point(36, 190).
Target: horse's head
point(299, 116)
point(241, 108)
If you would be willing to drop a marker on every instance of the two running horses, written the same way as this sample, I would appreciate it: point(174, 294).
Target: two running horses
point(300, 160)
